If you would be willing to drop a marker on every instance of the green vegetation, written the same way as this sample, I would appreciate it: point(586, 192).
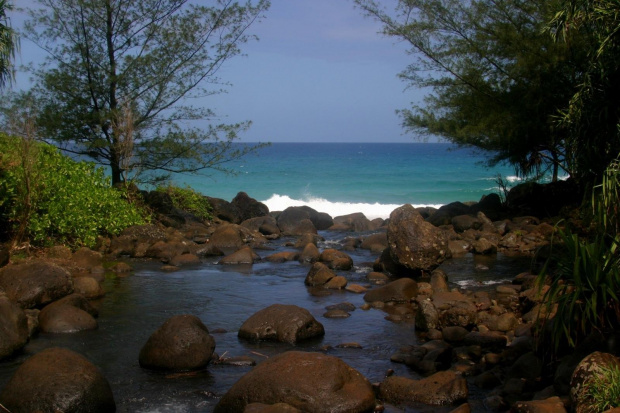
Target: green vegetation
point(47, 198)
point(8, 45)
point(585, 269)
point(604, 390)
point(188, 200)
point(119, 77)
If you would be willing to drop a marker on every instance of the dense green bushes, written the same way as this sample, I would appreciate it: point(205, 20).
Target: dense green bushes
point(47, 198)
point(188, 200)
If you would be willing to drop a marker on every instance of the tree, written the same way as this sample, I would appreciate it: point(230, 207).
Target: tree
point(496, 79)
point(8, 45)
point(592, 117)
point(120, 76)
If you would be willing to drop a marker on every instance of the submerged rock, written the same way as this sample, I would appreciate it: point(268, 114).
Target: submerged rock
point(310, 382)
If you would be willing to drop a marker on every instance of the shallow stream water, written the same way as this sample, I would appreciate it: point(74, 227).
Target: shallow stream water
point(223, 297)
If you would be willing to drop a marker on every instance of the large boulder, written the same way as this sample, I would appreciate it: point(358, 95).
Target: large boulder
point(588, 372)
point(13, 327)
point(227, 238)
point(444, 215)
point(182, 343)
point(356, 222)
point(440, 389)
point(248, 207)
point(266, 225)
point(70, 314)
point(284, 323)
point(320, 220)
point(35, 283)
point(319, 275)
point(57, 379)
point(224, 210)
point(336, 260)
point(415, 246)
point(310, 382)
point(402, 290)
point(296, 221)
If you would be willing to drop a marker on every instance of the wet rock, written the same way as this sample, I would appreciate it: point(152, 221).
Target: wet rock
point(399, 291)
point(247, 207)
point(284, 256)
point(243, 256)
point(319, 275)
point(58, 379)
point(167, 250)
point(71, 314)
point(182, 343)
point(284, 323)
point(440, 389)
point(489, 341)
point(336, 283)
point(88, 287)
point(459, 247)
point(454, 334)
point(35, 283)
point(270, 408)
point(356, 288)
point(427, 316)
point(266, 225)
point(309, 254)
point(227, 237)
point(550, 405)
point(121, 268)
point(483, 246)
point(375, 242)
point(455, 309)
point(427, 359)
point(295, 221)
point(439, 281)
point(414, 244)
point(377, 277)
point(310, 382)
point(336, 313)
point(461, 223)
point(356, 222)
point(14, 331)
point(444, 215)
point(87, 259)
point(336, 260)
point(586, 373)
point(185, 260)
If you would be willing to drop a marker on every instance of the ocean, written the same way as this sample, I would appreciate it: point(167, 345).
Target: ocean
point(343, 178)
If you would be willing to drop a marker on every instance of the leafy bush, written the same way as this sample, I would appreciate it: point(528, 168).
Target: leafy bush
point(47, 198)
point(604, 391)
point(188, 200)
point(585, 270)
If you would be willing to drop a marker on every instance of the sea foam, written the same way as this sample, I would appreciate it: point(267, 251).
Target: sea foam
point(371, 211)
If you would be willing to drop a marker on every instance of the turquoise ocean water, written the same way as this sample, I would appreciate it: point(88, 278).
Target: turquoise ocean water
point(342, 178)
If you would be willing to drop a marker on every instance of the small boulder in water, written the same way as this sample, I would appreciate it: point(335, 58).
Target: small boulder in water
point(284, 323)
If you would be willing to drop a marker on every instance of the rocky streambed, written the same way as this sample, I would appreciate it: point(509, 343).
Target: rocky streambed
point(293, 311)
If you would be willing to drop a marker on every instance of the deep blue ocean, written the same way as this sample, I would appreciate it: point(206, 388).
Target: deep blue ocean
point(342, 178)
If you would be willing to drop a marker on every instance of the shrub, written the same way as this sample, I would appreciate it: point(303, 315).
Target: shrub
point(604, 390)
point(585, 270)
point(188, 200)
point(48, 198)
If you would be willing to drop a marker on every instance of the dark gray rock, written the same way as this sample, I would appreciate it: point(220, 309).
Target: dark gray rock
point(284, 323)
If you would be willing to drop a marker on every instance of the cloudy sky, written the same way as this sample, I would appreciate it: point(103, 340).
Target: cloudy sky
point(319, 73)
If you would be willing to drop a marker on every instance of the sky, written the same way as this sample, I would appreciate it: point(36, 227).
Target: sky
point(320, 72)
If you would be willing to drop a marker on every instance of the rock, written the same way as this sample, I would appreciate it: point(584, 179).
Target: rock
point(227, 237)
point(57, 379)
point(464, 408)
point(356, 222)
point(375, 242)
point(182, 343)
point(60, 252)
point(320, 220)
point(528, 367)
point(459, 247)
point(266, 225)
point(462, 223)
point(309, 254)
point(166, 250)
point(483, 246)
point(440, 389)
point(414, 244)
point(489, 341)
point(184, 260)
point(444, 215)
point(87, 259)
point(14, 331)
point(377, 277)
point(401, 290)
point(531, 198)
point(336, 313)
point(586, 373)
point(336, 260)
point(88, 287)
point(295, 221)
point(270, 408)
point(68, 315)
point(35, 283)
point(319, 275)
point(454, 334)
point(243, 256)
point(439, 281)
point(427, 316)
point(356, 288)
point(283, 256)
point(283, 323)
point(224, 210)
point(310, 382)
point(550, 405)
point(337, 283)
point(5, 255)
point(248, 207)
point(121, 267)
point(455, 309)
point(506, 322)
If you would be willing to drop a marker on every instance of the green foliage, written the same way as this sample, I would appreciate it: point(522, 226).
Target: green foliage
point(604, 390)
point(585, 270)
point(9, 44)
point(58, 200)
point(495, 79)
point(188, 200)
point(120, 75)
point(591, 117)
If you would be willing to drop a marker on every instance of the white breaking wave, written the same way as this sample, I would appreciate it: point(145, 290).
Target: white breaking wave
point(371, 211)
